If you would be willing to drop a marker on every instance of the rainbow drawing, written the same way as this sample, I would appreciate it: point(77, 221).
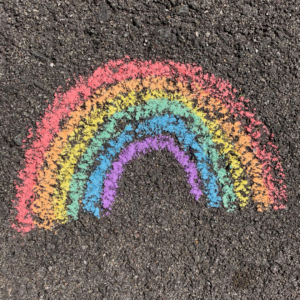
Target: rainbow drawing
point(127, 108)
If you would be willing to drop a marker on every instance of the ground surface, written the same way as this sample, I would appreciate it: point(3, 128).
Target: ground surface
point(164, 245)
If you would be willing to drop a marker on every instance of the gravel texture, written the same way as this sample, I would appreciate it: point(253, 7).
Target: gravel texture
point(158, 243)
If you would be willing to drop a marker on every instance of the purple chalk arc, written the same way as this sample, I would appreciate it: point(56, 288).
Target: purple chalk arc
point(139, 148)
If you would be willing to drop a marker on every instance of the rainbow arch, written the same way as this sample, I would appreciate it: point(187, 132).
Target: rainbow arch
point(142, 106)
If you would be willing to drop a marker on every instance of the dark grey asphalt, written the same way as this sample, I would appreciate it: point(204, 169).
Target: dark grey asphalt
point(163, 246)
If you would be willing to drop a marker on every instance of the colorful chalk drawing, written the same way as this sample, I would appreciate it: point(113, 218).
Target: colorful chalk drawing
point(127, 108)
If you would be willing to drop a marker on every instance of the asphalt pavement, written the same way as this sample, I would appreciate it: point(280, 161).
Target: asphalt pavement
point(158, 242)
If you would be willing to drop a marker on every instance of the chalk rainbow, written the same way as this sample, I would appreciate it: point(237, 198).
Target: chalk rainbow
point(128, 108)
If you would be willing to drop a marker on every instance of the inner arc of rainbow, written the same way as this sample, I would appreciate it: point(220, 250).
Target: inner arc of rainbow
point(134, 150)
point(138, 148)
point(68, 105)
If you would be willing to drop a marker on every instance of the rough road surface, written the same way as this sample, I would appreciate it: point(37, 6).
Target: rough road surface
point(158, 243)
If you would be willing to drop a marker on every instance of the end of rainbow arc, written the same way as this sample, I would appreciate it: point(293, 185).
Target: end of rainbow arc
point(234, 162)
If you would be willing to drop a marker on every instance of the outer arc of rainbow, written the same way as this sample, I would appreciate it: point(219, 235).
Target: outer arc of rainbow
point(148, 110)
point(158, 125)
point(65, 104)
point(90, 126)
